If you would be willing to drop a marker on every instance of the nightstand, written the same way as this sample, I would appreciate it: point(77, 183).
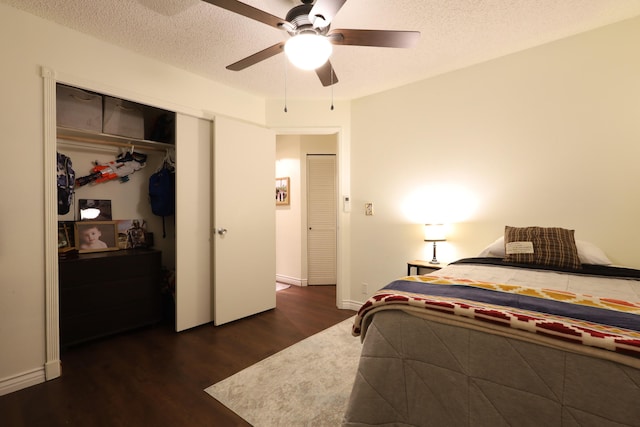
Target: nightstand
point(423, 265)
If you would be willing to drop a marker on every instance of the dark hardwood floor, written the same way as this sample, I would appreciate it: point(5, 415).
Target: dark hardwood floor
point(156, 377)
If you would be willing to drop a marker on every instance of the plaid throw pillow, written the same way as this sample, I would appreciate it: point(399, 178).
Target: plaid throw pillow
point(551, 246)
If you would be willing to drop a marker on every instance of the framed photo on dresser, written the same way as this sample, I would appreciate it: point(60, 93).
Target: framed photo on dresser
point(96, 236)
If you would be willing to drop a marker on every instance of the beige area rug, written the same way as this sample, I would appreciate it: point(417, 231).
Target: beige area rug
point(307, 384)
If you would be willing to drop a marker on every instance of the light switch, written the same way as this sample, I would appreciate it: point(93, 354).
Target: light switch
point(346, 204)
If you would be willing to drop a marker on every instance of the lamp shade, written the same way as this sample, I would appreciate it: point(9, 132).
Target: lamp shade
point(434, 233)
point(308, 51)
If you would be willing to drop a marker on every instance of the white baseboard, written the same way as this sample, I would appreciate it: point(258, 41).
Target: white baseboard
point(288, 280)
point(52, 369)
point(350, 305)
point(20, 381)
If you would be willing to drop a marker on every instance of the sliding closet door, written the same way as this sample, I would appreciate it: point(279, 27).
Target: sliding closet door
point(194, 304)
point(244, 220)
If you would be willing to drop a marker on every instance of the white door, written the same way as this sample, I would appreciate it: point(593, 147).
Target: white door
point(321, 220)
point(244, 220)
point(194, 305)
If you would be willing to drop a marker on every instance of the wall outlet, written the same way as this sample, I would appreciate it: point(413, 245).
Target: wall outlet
point(365, 289)
point(368, 208)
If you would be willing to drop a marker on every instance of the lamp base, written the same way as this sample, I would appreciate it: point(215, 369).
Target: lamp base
point(434, 260)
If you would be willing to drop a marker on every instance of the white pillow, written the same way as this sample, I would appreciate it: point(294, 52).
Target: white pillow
point(494, 250)
point(587, 252)
point(591, 254)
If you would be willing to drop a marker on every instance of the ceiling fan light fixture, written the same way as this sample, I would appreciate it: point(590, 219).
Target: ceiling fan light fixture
point(308, 51)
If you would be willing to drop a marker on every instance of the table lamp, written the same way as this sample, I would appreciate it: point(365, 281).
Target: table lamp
point(434, 233)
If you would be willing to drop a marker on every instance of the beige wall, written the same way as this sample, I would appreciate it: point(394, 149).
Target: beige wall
point(289, 217)
point(549, 136)
point(29, 43)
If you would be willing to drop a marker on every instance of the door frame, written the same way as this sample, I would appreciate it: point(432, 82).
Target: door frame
point(343, 171)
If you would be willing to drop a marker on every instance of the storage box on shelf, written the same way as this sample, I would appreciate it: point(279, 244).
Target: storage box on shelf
point(101, 116)
point(78, 109)
point(124, 118)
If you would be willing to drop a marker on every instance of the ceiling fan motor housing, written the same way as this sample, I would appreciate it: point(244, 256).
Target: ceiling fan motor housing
point(298, 17)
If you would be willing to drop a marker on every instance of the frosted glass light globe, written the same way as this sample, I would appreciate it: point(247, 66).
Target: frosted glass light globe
point(308, 51)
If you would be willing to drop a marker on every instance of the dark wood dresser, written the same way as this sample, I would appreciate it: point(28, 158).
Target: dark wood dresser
point(109, 292)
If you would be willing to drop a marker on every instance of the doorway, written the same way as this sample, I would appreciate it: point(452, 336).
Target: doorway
point(291, 220)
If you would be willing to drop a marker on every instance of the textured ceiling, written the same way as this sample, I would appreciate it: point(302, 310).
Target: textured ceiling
point(204, 39)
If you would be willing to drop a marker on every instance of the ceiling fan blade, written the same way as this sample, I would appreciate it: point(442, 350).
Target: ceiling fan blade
point(250, 12)
point(326, 74)
point(376, 38)
point(323, 12)
point(257, 57)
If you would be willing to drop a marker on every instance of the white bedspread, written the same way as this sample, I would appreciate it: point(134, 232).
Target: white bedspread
point(620, 288)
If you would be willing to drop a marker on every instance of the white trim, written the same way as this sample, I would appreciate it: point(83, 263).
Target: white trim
point(52, 329)
point(308, 131)
point(20, 381)
point(288, 280)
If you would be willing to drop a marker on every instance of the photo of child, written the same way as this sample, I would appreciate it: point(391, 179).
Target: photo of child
point(90, 239)
point(95, 236)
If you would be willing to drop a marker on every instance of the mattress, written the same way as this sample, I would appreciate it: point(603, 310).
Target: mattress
point(434, 368)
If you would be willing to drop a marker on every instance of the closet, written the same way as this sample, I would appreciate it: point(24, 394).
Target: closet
point(114, 146)
point(222, 243)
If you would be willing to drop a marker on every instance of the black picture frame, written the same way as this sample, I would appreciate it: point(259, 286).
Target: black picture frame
point(94, 210)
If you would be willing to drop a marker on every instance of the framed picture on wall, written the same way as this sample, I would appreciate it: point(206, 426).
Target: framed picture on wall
point(282, 191)
point(96, 236)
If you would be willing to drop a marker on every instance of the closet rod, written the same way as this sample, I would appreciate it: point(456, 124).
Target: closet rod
point(142, 144)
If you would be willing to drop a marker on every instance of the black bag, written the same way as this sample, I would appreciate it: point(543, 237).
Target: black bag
point(162, 194)
point(66, 182)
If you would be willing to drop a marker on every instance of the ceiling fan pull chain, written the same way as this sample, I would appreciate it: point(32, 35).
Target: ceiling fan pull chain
point(285, 84)
point(331, 88)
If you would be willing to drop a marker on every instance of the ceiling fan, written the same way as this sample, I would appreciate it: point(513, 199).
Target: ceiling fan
point(310, 23)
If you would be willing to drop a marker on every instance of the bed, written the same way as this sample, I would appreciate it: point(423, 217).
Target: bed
point(514, 337)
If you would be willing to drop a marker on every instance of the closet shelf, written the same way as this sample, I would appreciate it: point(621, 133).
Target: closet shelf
point(69, 134)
